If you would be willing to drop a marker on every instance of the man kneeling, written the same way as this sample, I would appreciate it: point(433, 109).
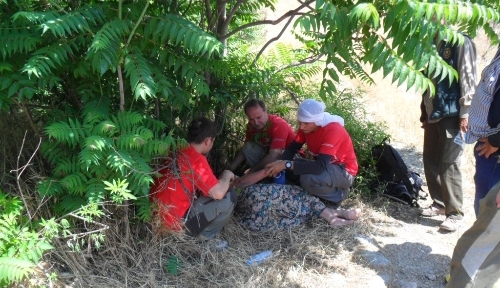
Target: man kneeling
point(188, 193)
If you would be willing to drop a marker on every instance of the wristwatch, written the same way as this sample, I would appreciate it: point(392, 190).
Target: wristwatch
point(288, 165)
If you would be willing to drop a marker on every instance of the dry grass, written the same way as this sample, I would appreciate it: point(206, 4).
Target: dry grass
point(312, 255)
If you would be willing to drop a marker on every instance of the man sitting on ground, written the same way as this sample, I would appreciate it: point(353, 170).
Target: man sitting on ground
point(267, 136)
point(188, 189)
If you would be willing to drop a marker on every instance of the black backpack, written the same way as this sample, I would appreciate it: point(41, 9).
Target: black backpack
point(400, 183)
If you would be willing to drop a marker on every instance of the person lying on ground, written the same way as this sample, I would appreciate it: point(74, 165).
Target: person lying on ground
point(268, 207)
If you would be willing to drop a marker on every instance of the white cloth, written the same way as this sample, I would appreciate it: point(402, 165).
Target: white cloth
point(312, 111)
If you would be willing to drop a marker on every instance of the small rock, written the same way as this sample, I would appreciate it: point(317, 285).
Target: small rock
point(431, 277)
point(377, 282)
point(336, 278)
point(366, 242)
point(405, 284)
point(375, 259)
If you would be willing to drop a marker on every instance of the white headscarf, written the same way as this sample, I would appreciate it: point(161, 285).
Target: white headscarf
point(314, 111)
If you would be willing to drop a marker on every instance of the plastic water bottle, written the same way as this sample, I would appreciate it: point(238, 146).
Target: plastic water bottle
point(260, 257)
point(458, 139)
point(280, 178)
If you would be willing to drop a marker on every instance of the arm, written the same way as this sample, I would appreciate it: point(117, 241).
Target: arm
point(249, 179)
point(290, 151)
point(273, 155)
point(492, 142)
point(467, 75)
point(486, 149)
point(315, 167)
point(423, 111)
point(237, 160)
point(220, 189)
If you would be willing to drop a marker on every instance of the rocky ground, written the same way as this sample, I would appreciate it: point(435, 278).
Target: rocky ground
point(406, 250)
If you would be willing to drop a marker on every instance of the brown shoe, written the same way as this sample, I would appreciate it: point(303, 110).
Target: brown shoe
point(433, 210)
point(450, 224)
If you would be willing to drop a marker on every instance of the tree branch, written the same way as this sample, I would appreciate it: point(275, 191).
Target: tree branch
point(294, 96)
point(263, 22)
point(232, 12)
point(308, 60)
point(208, 14)
point(306, 4)
point(187, 9)
point(136, 24)
point(28, 115)
point(20, 170)
point(272, 40)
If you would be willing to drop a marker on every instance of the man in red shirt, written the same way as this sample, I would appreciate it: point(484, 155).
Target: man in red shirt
point(267, 135)
point(188, 193)
point(332, 172)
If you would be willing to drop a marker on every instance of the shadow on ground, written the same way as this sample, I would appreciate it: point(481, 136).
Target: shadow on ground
point(411, 264)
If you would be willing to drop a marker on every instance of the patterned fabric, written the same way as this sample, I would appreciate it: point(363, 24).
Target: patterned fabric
point(266, 207)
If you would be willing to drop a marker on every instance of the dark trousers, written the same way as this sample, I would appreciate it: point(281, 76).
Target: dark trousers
point(208, 216)
point(442, 165)
point(332, 185)
point(487, 175)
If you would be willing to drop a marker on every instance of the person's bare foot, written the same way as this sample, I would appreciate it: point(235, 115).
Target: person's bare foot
point(352, 214)
point(336, 222)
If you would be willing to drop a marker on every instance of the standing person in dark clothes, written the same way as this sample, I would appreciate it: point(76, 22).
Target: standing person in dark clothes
point(444, 116)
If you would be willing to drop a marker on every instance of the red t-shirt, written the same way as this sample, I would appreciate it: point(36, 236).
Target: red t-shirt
point(172, 198)
point(276, 134)
point(332, 140)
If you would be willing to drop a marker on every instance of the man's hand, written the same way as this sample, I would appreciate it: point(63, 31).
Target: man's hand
point(486, 149)
point(463, 124)
point(274, 168)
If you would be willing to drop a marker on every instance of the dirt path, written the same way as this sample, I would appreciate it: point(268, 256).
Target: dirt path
point(404, 249)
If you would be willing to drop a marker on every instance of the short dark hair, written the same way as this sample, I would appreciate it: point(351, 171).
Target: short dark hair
point(254, 103)
point(199, 129)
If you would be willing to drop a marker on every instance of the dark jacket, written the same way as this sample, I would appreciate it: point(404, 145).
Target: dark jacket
point(494, 116)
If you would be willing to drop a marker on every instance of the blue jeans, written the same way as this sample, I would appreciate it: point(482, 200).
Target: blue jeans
point(487, 175)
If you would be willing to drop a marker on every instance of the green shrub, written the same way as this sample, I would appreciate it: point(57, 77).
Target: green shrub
point(21, 246)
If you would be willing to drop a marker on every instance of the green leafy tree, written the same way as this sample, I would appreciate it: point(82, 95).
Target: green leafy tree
point(113, 83)
point(396, 37)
